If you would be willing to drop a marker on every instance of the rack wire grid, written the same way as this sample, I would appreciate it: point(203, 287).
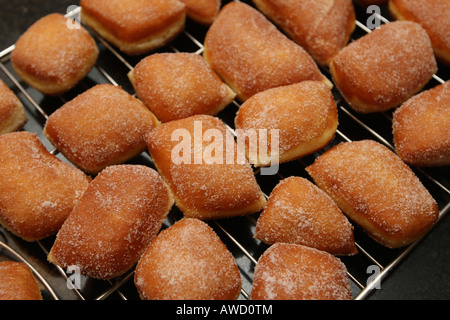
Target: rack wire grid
point(237, 233)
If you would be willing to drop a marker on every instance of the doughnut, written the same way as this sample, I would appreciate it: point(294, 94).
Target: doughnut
point(433, 16)
point(251, 55)
point(384, 68)
point(199, 160)
point(299, 212)
point(37, 190)
point(12, 112)
point(321, 27)
point(421, 128)
point(118, 216)
point(100, 127)
point(376, 190)
point(179, 85)
point(287, 271)
point(304, 113)
point(137, 27)
point(17, 282)
point(187, 261)
point(53, 58)
point(202, 11)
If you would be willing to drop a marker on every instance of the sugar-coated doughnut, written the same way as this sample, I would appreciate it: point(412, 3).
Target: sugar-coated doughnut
point(421, 128)
point(376, 190)
point(202, 11)
point(321, 27)
point(187, 261)
point(179, 85)
point(198, 158)
point(138, 26)
point(118, 216)
point(299, 212)
point(12, 112)
point(103, 126)
point(53, 58)
point(384, 68)
point(17, 282)
point(294, 272)
point(252, 55)
point(433, 16)
point(305, 115)
point(37, 190)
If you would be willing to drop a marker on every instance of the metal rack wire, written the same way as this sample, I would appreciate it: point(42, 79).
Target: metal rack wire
point(236, 233)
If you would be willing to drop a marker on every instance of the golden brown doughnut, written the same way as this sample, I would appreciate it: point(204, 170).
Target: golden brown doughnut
point(295, 272)
point(321, 27)
point(305, 114)
point(202, 11)
point(252, 55)
point(179, 85)
point(377, 190)
point(207, 182)
point(100, 127)
point(12, 112)
point(138, 26)
point(37, 190)
point(118, 216)
point(187, 261)
point(384, 68)
point(299, 212)
point(17, 282)
point(421, 128)
point(433, 16)
point(53, 58)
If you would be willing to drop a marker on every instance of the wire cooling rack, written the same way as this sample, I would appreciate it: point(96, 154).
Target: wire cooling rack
point(366, 270)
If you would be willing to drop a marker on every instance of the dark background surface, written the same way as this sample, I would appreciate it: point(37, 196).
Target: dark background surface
point(424, 274)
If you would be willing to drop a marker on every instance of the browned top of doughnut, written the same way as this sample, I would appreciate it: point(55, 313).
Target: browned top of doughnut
point(17, 282)
point(188, 261)
point(433, 15)
point(135, 20)
point(299, 212)
point(118, 216)
point(301, 112)
point(385, 67)
point(9, 102)
point(252, 55)
point(203, 11)
point(102, 126)
point(179, 85)
point(421, 127)
point(37, 190)
point(207, 183)
point(322, 27)
point(295, 272)
point(50, 51)
point(382, 190)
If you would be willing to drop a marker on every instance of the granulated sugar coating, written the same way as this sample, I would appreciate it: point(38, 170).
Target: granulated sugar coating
point(178, 85)
point(188, 261)
point(252, 55)
point(17, 282)
point(304, 113)
point(421, 128)
point(37, 190)
point(384, 68)
point(295, 272)
point(377, 190)
point(120, 213)
point(299, 212)
point(100, 127)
